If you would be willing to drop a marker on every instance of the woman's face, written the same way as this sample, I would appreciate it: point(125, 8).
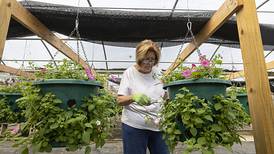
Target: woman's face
point(147, 64)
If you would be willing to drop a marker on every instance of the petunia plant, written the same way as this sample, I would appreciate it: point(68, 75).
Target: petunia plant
point(200, 118)
point(205, 69)
point(75, 126)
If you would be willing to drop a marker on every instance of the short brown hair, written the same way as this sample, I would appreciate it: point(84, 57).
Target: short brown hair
point(147, 46)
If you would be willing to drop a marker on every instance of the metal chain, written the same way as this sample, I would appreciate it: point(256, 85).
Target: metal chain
point(189, 28)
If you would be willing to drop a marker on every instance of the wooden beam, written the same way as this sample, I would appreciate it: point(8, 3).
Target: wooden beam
point(258, 89)
point(23, 16)
point(5, 15)
point(269, 65)
point(217, 20)
point(15, 71)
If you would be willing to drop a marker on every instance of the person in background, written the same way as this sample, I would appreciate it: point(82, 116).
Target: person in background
point(140, 93)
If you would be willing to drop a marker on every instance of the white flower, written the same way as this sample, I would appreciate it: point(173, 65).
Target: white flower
point(157, 121)
point(98, 123)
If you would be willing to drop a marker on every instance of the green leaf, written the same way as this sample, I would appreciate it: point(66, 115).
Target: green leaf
point(207, 152)
point(86, 137)
point(54, 126)
point(193, 131)
point(201, 140)
point(186, 117)
point(25, 150)
point(177, 132)
point(91, 107)
point(208, 117)
point(88, 125)
point(88, 150)
point(198, 120)
point(216, 128)
point(218, 106)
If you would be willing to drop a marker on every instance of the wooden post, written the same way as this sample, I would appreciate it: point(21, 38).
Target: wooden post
point(215, 22)
point(259, 97)
point(5, 15)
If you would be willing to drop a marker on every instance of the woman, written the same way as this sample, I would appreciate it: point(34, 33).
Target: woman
point(140, 93)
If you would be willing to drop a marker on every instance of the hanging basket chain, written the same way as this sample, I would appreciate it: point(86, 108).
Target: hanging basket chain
point(189, 28)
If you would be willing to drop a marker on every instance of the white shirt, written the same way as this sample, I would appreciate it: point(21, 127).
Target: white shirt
point(134, 115)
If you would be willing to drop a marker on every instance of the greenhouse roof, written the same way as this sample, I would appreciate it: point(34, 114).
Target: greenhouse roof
point(107, 53)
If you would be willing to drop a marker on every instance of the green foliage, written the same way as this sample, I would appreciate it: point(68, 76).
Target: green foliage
point(66, 69)
point(12, 88)
point(72, 127)
point(6, 113)
point(233, 90)
point(206, 69)
point(202, 124)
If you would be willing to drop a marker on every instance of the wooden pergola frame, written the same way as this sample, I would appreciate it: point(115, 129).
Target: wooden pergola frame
point(12, 9)
point(259, 96)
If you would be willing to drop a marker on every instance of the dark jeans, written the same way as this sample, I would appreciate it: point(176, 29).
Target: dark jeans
point(136, 141)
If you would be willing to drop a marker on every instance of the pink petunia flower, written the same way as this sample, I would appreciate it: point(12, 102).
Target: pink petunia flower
point(89, 74)
point(193, 66)
point(15, 129)
point(205, 62)
point(186, 73)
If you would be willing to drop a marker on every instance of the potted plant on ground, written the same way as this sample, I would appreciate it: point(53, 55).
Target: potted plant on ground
point(73, 125)
point(199, 115)
point(241, 95)
point(9, 93)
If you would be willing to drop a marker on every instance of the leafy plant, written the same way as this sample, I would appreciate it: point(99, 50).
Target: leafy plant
point(202, 125)
point(206, 69)
point(72, 127)
point(66, 69)
point(7, 115)
point(233, 90)
point(11, 88)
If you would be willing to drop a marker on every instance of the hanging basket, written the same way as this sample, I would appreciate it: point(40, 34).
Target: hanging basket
point(11, 100)
point(203, 88)
point(244, 101)
point(70, 91)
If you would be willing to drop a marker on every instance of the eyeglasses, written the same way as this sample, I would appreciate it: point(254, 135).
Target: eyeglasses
point(149, 61)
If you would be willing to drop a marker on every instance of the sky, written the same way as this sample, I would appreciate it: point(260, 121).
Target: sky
point(34, 50)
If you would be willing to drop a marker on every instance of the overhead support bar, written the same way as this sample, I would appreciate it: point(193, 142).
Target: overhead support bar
point(14, 71)
point(234, 75)
point(105, 55)
point(216, 21)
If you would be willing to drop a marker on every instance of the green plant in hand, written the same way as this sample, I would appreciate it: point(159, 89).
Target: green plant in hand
point(202, 125)
point(73, 128)
point(141, 99)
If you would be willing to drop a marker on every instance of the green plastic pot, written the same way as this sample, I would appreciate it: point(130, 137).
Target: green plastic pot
point(11, 99)
point(70, 91)
point(203, 88)
point(244, 101)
